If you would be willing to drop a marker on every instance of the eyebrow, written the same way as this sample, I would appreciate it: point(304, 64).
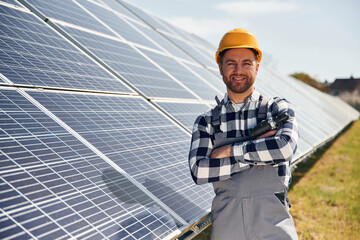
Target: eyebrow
point(245, 60)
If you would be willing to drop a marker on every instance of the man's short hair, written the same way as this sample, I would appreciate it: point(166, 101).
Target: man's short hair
point(221, 54)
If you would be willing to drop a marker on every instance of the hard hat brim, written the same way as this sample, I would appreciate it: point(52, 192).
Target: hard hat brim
point(217, 55)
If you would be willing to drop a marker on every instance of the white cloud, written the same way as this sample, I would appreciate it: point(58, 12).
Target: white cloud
point(257, 7)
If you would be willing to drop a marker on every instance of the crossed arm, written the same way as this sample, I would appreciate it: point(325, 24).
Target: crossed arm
point(225, 151)
point(208, 164)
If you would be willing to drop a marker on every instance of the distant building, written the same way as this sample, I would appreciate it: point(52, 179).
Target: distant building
point(347, 89)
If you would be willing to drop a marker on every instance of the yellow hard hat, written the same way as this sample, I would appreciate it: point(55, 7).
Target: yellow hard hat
point(238, 38)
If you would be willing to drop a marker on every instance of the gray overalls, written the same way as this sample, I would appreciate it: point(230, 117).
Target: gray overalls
point(251, 204)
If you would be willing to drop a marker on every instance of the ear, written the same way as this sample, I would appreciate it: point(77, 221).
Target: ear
point(220, 69)
point(257, 66)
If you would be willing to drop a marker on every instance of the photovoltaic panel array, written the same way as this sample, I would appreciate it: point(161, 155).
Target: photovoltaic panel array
point(133, 63)
point(98, 99)
point(136, 138)
point(316, 119)
point(35, 55)
point(180, 38)
point(185, 112)
point(54, 186)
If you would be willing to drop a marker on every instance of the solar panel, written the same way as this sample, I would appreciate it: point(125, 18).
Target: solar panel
point(13, 2)
point(203, 51)
point(137, 138)
point(145, 16)
point(33, 54)
point(315, 118)
point(188, 48)
point(131, 65)
point(110, 18)
point(186, 113)
point(126, 61)
point(164, 43)
point(97, 106)
point(201, 88)
point(54, 186)
point(70, 12)
point(178, 37)
point(214, 79)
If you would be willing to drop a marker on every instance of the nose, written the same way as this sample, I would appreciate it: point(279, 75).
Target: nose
point(236, 68)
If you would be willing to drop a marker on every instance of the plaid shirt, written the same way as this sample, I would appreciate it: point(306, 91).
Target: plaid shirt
point(277, 150)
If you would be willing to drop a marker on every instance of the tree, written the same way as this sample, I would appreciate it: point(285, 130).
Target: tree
point(306, 78)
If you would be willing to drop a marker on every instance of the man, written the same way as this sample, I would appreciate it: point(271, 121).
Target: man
point(250, 177)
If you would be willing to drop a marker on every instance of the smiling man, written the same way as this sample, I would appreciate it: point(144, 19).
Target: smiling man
point(250, 177)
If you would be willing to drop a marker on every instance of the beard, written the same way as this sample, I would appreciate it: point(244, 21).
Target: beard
point(239, 87)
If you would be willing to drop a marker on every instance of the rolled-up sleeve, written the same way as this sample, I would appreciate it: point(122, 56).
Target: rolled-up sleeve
point(203, 168)
point(271, 150)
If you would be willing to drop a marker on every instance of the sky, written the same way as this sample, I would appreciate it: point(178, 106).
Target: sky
point(317, 37)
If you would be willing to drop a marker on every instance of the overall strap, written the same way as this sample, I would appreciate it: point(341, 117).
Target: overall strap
point(216, 111)
point(263, 109)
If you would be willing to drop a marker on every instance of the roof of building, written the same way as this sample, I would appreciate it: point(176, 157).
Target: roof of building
point(345, 84)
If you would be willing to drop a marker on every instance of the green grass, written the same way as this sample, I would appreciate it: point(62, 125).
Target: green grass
point(326, 198)
point(325, 191)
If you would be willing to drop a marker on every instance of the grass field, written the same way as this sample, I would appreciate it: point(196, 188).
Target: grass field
point(325, 191)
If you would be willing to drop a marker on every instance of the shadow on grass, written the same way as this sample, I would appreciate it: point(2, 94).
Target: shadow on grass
point(304, 166)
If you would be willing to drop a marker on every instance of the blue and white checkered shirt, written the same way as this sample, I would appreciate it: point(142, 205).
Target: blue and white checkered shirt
point(236, 121)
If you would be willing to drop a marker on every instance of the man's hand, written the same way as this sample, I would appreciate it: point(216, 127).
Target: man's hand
point(225, 151)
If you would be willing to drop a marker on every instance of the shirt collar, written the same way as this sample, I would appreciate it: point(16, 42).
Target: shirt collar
point(252, 98)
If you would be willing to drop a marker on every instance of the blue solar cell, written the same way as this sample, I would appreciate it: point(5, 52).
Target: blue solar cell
point(70, 12)
point(33, 54)
point(117, 7)
point(137, 138)
point(184, 40)
point(165, 43)
point(190, 80)
point(186, 113)
point(9, 229)
point(198, 54)
point(117, 24)
point(14, 2)
point(131, 65)
point(214, 79)
point(74, 192)
point(200, 50)
point(146, 17)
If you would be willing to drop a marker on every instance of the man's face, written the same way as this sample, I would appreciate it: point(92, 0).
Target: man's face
point(239, 69)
